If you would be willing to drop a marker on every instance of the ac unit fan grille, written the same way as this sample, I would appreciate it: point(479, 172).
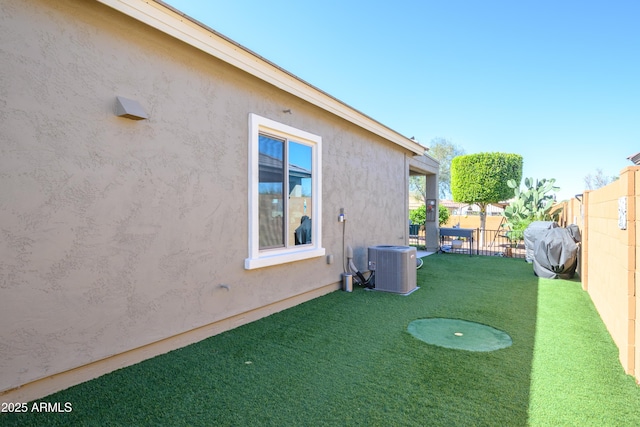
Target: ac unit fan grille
point(395, 268)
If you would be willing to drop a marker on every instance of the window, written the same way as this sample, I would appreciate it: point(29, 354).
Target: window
point(285, 207)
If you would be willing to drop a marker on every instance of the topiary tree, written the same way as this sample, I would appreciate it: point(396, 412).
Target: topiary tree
point(482, 179)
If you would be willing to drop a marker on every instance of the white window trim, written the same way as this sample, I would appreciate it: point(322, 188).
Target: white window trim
point(265, 258)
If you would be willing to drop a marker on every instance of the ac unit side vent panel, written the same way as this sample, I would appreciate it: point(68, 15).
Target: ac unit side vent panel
point(395, 268)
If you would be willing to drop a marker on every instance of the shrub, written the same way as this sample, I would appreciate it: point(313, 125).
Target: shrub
point(419, 215)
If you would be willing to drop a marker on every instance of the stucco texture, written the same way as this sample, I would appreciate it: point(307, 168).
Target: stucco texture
point(117, 233)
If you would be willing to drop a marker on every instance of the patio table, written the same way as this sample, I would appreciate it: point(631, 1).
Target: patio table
point(458, 232)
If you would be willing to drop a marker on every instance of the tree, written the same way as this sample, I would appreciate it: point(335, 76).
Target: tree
point(599, 180)
point(443, 215)
point(482, 179)
point(443, 151)
point(418, 184)
point(419, 215)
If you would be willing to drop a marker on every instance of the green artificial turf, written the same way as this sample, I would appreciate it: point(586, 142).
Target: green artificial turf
point(459, 334)
point(347, 359)
point(577, 378)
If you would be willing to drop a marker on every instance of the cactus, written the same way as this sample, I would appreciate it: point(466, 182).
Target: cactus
point(533, 203)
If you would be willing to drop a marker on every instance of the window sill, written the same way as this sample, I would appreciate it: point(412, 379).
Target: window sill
point(267, 260)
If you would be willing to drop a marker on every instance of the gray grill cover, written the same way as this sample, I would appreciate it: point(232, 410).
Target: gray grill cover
point(532, 233)
point(556, 253)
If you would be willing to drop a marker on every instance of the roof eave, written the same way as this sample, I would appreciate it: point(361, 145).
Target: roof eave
point(169, 20)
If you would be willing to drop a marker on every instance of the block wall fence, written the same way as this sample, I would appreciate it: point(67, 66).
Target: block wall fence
point(609, 261)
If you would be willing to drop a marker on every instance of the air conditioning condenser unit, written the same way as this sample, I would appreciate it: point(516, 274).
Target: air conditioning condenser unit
point(394, 267)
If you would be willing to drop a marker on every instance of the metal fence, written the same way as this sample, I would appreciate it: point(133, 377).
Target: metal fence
point(495, 243)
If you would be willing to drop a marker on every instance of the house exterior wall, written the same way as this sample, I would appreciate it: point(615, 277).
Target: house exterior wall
point(429, 167)
point(124, 239)
point(610, 260)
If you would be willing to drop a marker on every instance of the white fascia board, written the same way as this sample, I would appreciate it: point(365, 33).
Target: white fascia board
point(166, 19)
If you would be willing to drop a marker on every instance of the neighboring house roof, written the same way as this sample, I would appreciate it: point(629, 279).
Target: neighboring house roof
point(635, 158)
point(491, 208)
point(171, 21)
point(271, 169)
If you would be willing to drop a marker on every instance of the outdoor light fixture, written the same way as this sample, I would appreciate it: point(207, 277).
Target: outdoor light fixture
point(579, 197)
point(130, 109)
point(431, 209)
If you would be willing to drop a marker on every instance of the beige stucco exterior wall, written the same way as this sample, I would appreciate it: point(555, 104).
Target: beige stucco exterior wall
point(428, 167)
point(123, 239)
point(610, 260)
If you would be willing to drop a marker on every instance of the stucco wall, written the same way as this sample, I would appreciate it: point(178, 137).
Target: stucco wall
point(428, 167)
point(610, 261)
point(117, 233)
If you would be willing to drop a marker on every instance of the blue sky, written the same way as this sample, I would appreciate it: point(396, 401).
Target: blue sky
point(555, 81)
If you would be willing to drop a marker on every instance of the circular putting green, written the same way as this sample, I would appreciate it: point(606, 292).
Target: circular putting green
point(459, 334)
